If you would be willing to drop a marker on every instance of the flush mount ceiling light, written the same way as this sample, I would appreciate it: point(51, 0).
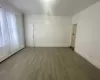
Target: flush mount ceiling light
point(47, 5)
point(48, 1)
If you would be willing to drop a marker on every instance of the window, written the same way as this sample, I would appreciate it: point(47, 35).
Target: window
point(12, 29)
point(9, 42)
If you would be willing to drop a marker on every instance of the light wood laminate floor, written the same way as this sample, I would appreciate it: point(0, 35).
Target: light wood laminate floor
point(47, 64)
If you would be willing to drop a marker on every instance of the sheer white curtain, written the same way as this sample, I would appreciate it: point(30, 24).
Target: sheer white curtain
point(9, 42)
point(4, 38)
point(13, 33)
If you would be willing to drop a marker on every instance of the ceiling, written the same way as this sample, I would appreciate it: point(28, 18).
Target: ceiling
point(52, 7)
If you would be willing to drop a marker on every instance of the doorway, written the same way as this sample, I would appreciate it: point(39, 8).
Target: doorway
point(73, 38)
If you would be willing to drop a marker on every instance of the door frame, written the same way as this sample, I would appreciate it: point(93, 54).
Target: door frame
point(34, 35)
point(73, 33)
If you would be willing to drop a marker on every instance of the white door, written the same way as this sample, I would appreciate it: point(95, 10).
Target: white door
point(34, 35)
point(74, 28)
point(42, 35)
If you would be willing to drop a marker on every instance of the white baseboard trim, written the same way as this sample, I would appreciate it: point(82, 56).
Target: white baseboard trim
point(50, 46)
point(93, 62)
point(8, 55)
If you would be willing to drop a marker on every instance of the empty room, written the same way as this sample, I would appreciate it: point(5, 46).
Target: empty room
point(49, 39)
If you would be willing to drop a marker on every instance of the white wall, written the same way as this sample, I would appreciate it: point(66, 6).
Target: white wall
point(20, 27)
point(51, 31)
point(88, 33)
point(8, 7)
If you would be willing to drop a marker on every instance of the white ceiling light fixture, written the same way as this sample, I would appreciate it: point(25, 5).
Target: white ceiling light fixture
point(47, 5)
point(48, 1)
